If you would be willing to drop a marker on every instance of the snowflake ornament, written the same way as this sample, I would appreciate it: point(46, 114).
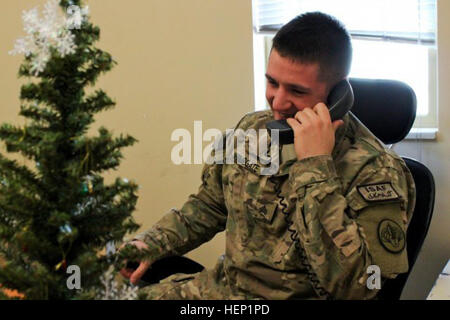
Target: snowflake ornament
point(76, 16)
point(111, 290)
point(51, 31)
point(86, 205)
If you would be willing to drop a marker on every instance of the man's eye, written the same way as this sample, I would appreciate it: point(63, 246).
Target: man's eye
point(297, 93)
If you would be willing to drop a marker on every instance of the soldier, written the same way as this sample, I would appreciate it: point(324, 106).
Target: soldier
point(339, 202)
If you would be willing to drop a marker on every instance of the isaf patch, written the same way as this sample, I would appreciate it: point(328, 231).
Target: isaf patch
point(378, 192)
point(391, 236)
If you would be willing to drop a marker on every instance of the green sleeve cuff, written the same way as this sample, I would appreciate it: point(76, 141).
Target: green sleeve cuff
point(311, 170)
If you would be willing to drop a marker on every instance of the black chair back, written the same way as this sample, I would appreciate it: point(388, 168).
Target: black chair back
point(388, 109)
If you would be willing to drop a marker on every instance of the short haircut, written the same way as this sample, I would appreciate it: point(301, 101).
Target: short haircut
point(316, 37)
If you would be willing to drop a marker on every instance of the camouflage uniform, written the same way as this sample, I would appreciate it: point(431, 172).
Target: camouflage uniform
point(310, 231)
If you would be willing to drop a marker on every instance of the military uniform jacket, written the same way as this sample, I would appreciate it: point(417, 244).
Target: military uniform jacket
point(310, 231)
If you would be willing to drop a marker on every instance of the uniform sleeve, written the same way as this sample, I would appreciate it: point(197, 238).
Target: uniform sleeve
point(200, 218)
point(343, 234)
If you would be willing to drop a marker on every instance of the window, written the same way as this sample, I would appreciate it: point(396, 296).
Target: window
point(391, 40)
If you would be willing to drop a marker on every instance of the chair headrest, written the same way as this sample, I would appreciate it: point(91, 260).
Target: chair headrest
point(385, 107)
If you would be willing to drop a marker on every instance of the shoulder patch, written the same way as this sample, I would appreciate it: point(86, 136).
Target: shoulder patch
point(391, 236)
point(378, 192)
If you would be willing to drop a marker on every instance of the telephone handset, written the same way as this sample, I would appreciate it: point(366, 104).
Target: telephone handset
point(340, 101)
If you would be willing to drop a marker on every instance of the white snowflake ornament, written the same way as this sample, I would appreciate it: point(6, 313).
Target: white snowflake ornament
point(111, 290)
point(76, 16)
point(52, 31)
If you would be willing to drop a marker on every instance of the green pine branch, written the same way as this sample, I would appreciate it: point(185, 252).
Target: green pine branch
point(43, 116)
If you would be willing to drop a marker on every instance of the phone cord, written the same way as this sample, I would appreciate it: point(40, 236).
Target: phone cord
point(303, 258)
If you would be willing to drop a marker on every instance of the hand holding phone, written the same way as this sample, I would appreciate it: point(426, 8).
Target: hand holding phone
point(339, 102)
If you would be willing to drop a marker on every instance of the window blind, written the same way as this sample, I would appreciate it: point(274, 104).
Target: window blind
point(411, 21)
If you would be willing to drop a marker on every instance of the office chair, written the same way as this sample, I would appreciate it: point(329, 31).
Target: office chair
point(395, 105)
point(388, 109)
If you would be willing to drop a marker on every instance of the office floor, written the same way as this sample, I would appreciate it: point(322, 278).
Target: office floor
point(441, 289)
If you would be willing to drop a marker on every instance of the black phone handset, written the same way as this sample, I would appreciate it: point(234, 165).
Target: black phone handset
point(339, 102)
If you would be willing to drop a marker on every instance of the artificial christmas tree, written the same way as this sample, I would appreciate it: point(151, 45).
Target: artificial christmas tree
point(60, 212)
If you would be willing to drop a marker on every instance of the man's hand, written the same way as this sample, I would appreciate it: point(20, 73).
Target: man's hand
point(314, 134)
point(135, 275)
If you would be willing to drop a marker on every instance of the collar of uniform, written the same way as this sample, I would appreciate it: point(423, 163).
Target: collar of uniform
point(288, 156)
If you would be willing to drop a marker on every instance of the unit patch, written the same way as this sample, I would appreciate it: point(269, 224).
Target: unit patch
point(391, 236)
point(378, 192)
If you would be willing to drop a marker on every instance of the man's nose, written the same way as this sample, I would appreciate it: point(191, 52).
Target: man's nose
point(280, 100)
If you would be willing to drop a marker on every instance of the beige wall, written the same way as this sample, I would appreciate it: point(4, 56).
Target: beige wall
point(181, 61)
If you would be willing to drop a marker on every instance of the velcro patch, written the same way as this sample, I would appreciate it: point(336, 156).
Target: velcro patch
point(378, 192)
point(391, 236)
